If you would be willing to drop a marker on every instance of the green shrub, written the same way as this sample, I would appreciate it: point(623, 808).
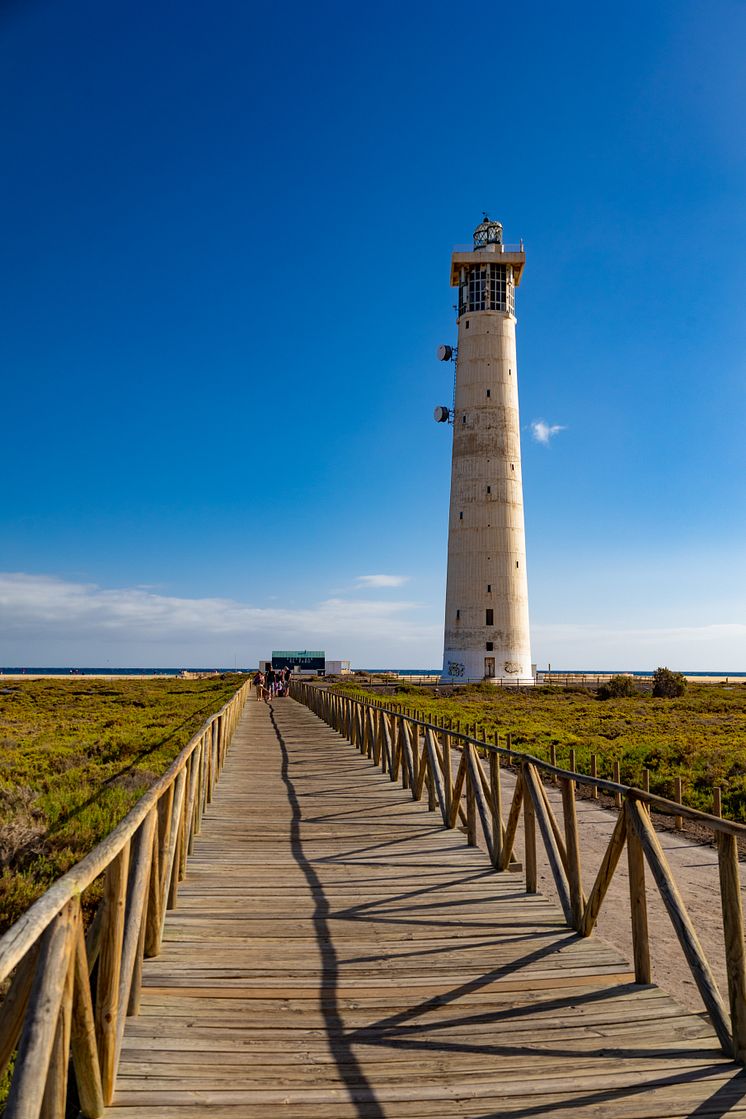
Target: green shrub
point(617, 688)
point(668, 684)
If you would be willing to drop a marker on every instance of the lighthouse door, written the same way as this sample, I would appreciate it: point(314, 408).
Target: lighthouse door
point(489, 668)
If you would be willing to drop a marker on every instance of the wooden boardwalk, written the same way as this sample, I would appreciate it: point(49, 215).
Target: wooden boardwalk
point(337, 953)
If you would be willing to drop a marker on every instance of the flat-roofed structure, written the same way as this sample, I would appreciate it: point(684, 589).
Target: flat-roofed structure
point(300, 660)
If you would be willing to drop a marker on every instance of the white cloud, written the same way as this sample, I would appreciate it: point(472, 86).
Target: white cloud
point(718, 647)
point(382, 580)
point(542, 432)
point(43, 617)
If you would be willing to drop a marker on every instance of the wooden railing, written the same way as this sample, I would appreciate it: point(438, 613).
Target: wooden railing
point(71, 992)
point(424, 757)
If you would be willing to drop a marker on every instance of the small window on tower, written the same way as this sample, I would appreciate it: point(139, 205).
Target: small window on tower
point(466, 324)
point(488, 393)
point(516, 563)
point(511, 466)
point(490, 646)
point(489, 489)
point(461, 516)
point(463, 419)
point(489, 617)
point(458, 615)
point(489, 588)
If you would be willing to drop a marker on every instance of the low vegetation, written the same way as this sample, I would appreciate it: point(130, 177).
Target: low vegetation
point(699, 736)
point(668, 684)
point(75, 755)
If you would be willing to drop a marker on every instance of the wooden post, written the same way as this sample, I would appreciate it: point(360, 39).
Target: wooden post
point(458, 786)
point(165, 812)
point(55, 1091)
point(618, 780)
point(529, 824)
point(168, 867)
point(572, 846)
point(479, 788)
point(735, 957)
point(437, 790)
point(679, 798)
point(428, 763)
point(717, 804)
point(153, 922)
point(83, 1035)
point(136, 898)
point(513, 819)
point(553, 759)
point(557, 858)
point(415, 742)
point(133, 1003)
point(594, 773)
point(682, 923)
point(109, 968)
point(40, 1025)
point(471, 808)
point(447, 773)
point(496, 807)
point(188, 846)
point(604, 875)
point(638, 905)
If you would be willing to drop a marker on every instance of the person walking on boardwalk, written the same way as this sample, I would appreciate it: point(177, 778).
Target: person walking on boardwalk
point(258, 683)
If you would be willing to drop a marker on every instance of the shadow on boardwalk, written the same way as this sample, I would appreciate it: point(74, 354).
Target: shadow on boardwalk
point(338, 954)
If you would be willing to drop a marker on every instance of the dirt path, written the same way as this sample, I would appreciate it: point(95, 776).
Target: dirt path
point(695, 869)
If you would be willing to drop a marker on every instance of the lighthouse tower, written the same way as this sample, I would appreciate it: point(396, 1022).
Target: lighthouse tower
point(486, 622)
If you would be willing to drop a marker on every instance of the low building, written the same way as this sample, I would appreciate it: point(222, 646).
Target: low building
point(306, 661)
point(337, 668)
point(311, 662)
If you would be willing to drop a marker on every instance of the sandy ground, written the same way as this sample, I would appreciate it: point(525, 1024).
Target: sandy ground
point(694, 866)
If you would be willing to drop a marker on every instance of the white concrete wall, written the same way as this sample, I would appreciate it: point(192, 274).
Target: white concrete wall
point(486, 537)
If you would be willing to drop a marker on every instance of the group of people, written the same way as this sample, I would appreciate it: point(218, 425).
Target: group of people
point(273, 682)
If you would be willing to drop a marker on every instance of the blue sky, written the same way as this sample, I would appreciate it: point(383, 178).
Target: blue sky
point(224, 273)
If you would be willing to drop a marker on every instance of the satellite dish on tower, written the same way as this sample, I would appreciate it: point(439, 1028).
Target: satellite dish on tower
point(445, 353)
point(442, 415)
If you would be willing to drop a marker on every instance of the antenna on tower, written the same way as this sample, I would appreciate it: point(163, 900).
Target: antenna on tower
point(442, 414)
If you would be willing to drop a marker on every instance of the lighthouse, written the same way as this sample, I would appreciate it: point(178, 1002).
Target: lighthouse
point(486, 620)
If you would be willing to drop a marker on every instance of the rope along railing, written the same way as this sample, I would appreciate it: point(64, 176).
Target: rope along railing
point(71, 992)
point(447, 766)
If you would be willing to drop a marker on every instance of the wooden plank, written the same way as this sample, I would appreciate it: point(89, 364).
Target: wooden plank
point(337, 952)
